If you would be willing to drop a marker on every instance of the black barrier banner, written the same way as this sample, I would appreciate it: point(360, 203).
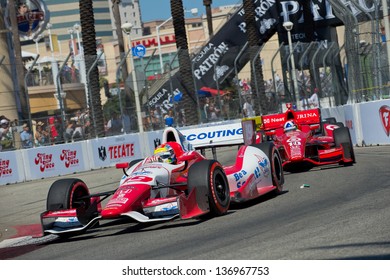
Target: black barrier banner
point(217, 57)
point(169, 94)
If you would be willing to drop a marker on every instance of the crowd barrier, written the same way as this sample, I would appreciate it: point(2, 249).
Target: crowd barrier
point(369, 124)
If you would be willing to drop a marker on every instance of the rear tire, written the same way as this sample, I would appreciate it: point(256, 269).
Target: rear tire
point(342, 138)
point(68, 194)
point(208, 176)
point(276, 164)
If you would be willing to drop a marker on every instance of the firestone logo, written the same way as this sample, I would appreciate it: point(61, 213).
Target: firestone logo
point(5, 170)
point(69, 157)
point(44, 161)
point(384, 114)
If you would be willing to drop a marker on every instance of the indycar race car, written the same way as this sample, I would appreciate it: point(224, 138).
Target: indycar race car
point(304, 141)
point(153, 190)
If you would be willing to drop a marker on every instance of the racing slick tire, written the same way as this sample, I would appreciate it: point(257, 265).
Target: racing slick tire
point(208, 177)
point(68, 194)
point(342, 138)
point(276, 164)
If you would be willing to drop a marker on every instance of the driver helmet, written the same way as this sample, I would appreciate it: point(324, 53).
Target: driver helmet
point(289, 126)
point(166, 154)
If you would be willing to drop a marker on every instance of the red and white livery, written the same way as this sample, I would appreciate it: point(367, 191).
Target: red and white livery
point(154, 191)
point(311, 142)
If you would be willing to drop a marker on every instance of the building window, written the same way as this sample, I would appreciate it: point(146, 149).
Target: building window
point(147, 31)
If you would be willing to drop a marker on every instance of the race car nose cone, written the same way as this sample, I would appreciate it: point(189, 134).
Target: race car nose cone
point(110, 213)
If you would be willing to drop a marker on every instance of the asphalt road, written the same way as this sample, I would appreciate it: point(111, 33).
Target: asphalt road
point(344, 214)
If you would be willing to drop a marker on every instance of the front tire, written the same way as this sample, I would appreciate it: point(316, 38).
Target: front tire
point(208, 176)
point(342, 138)
point(68, 194)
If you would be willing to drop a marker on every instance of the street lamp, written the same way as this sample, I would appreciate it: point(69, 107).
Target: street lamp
point(288, 25)
point(193, 11)
point(76, 27)
point(36, 40)
point(71, 31)
point(48, 27)
point(126, 28)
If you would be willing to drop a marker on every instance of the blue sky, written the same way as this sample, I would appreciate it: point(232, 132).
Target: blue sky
point(160, 9)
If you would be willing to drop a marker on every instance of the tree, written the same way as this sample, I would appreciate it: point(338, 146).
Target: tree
point(8, 102)
point(19, 87)
point(257, 78)
point(186, 78)
point(87, 20)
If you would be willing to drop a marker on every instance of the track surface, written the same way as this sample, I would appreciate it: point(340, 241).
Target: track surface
point(344, 214)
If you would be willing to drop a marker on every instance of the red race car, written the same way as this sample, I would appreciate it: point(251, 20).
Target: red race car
point(175, 182)
point(304, 141)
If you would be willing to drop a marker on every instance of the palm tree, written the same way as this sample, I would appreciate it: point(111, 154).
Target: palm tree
point(257, 78)
point(189, 99)
point(8, 104)
point(20, 89)
point(207, 4)
point(87, 20)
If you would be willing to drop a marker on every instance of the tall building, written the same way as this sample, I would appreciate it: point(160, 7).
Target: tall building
point(65, 13)
point(130, 11)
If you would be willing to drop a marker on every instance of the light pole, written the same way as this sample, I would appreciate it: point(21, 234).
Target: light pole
point(288, 25)
point(71, 31)
point(126, 28)
point(81, 64)
point(48, 27)
point(193, 11)
point(76, 27)
point(36, 40)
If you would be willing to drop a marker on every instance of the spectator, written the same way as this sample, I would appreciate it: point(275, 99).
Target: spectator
point(114, 125)
point(154, 120)
point(87, 124)
point(206, 108)
point(169, 118)
point(78, 133)
point(7, 139)
point(248, 108)
point(213, 112)
point(313, 100)
point(226, 105)
point(304, 103)
point(26, 137)
point(126, 122)
point(70, 127)
point(54, 135)
point(41, 135)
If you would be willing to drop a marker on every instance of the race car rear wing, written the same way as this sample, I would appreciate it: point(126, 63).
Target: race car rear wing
point(305, 117)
